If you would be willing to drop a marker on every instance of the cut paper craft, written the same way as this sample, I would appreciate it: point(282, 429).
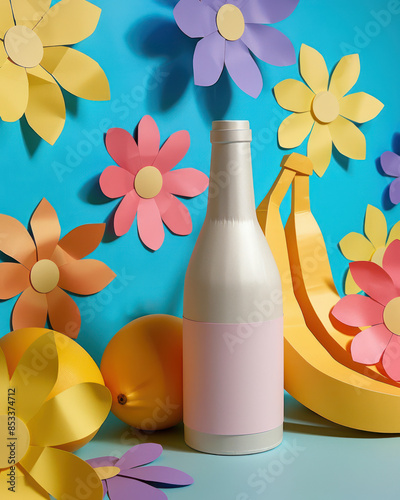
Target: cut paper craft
point(323, 108)
point(127, 478)
point(379, 310)
point(32, 426)
point(148, 184)
point(390, 163)
point(312, 375)
point(46, 266)
point(229, 29)
point(371, 247)
point(36, 60)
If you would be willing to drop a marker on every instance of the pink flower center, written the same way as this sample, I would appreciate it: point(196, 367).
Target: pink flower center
point(107, 472)
point(148, 182)
point(44, 276)
point(230, 22)
point(23, 46)
point(325, 107)
point(14, 440)
point(391, 316)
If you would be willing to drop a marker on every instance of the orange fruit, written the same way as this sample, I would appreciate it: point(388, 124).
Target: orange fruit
point(75, 364)
point(142, 367)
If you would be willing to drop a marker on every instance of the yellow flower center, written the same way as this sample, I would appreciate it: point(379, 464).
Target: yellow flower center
point(325, 107)
point(23, 46)
point(391, 316)
point(107, 472)
point(14, 440)
point(148, 182)
point(44, 276)
point(230, 22)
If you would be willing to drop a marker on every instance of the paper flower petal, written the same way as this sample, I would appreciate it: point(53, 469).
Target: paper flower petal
point(46, 108)
point(123, 149)
point(102, 462)
point(355, 246)
point(267, 12)
point(148, 139)
point(194, 18)
point(394, 191)
point(374, 281)
point(63, 313)
point(16, 242)
point(69, 474)
point(391, 358)
point(27, 488)
point(6, 17)
point(46, 229)
point(77, 73)
point(174, 214)
point(293, 95)
point(319, 148)
point(55, 424)
point(358, 310)
point(14, 278)
point(85, 277)
point(242, 68)
point(126, 213)
point(375, 227)
point(269, 44)
point(4, 384)
point(394, 233)
point(187, 182)
point(347, 138)
point(68, 22)
point(159, 475)
point(116, 182)
point(82, 240)
point(345, 75)
point(138, 455)
point(367, 346)
point(360, 107)
point(35, 376)
point(209, 60)
point(173, 151)
point(391, 262)
point(122, 487)
point(14, 85)
point(29, 12)
point(350, 286)
point(313, 69)
point(150, 226)
point(30, 310)
point(390, 163)
point(294, 129)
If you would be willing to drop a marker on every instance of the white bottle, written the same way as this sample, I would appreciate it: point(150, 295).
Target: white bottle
point(233, 319)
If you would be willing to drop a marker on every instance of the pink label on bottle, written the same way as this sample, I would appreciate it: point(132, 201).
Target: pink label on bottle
point(233, 377)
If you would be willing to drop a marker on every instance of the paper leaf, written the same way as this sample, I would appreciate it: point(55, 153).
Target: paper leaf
point(367, 346)
point(82, 240)
point(375, 227)
point(313, 69)
point(345, 75)
point(347, 138)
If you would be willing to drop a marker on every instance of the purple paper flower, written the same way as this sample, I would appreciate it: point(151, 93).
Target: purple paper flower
point(391, 166)
point(228, 29)
point(124, 477)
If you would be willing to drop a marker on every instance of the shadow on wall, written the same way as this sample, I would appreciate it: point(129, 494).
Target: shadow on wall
point(160, 38)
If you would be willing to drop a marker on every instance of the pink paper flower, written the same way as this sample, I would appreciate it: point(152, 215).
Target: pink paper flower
point(380, 310)
point(145, 179)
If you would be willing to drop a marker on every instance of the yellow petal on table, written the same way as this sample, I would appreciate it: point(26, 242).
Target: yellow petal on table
point(355, 246)
point(71, 416)
point(46, 108)
point(4, 383)
point(350, 286)
point(68, 22)
point(347, 138)
point(313, 69)
point(345, 75)
point(293, 95)
point(13, 91)
point(62, 474)
point(360, 107)
point(6, 17)
point(375, 227)
point(29, 12)
point(394, 233)
point(77, 73)
point(26, 487)
point(319, 148)
point(46, 229)
point(294, 129)
point(16, 242)
point(35, 376)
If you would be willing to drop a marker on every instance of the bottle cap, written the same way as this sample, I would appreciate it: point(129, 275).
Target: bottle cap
point(225, 131)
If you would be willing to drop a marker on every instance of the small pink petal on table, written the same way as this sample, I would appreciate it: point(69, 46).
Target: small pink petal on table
point(367, 346)
point(123, 149)
point(116, 182)
point(374, 281)
point(358, 310)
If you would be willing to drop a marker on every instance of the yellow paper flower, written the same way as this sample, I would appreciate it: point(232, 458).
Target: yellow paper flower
point(31, 427)
point(371, 247)
point(35, 60)
point(323, 109)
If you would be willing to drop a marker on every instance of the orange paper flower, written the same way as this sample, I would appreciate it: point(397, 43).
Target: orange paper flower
point(46, 266)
